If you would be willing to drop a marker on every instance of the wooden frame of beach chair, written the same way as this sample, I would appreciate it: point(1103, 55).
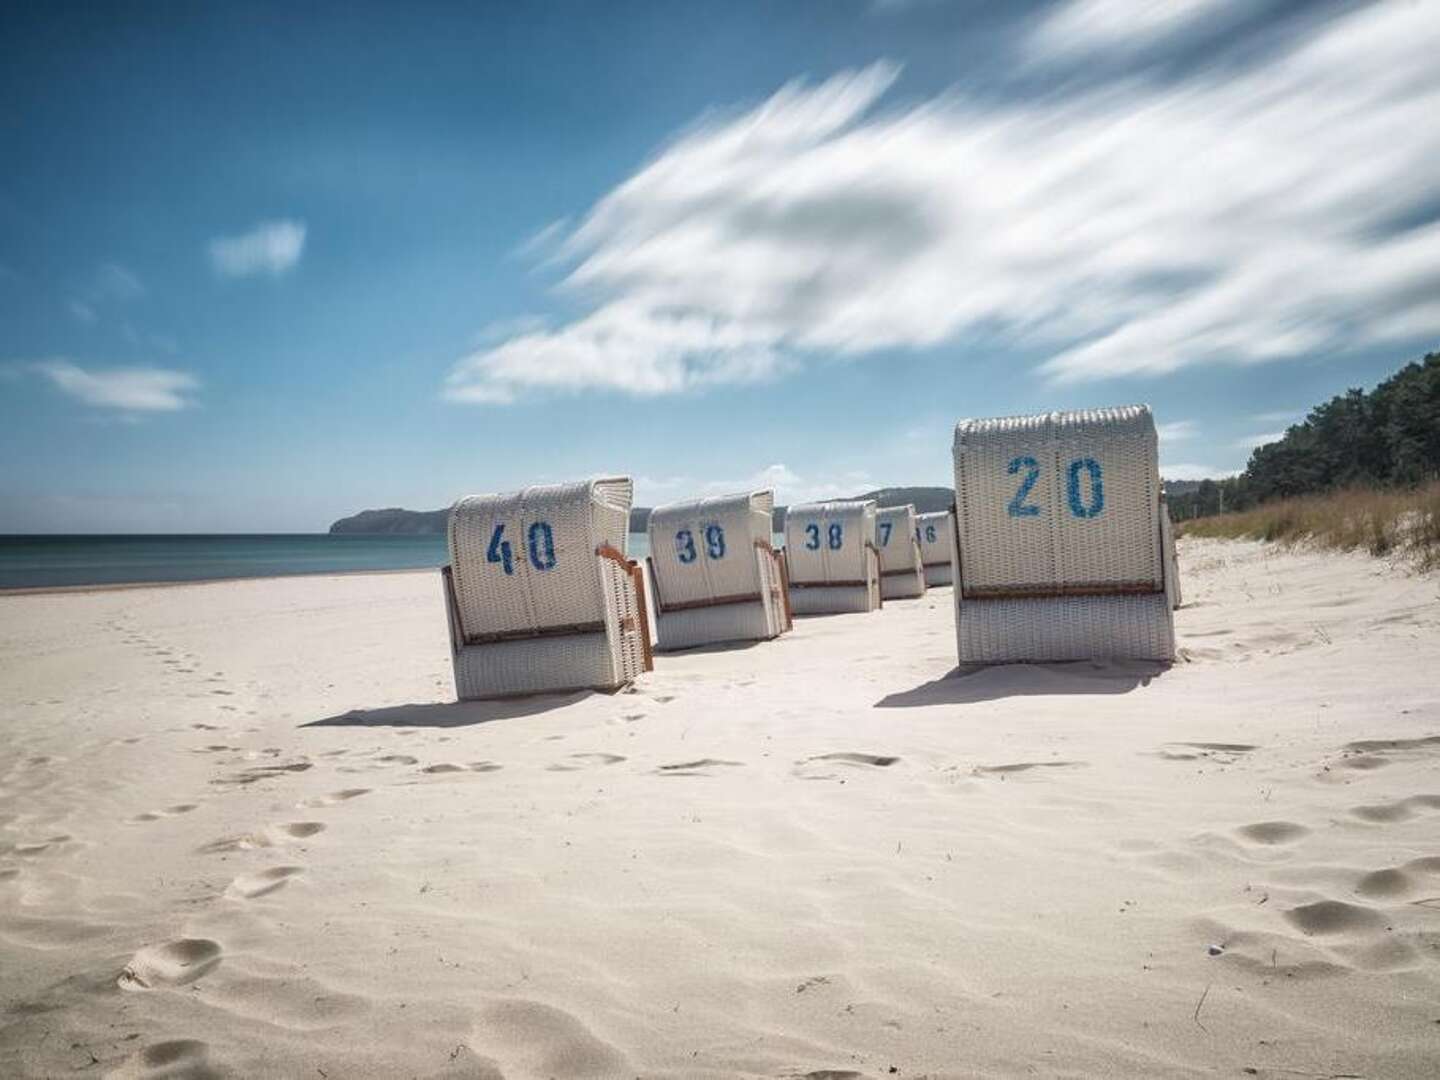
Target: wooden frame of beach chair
point(1061, 539)
point(935, 534)
point(834, 565)
point(902, 572)
point(716, 575)
point(540, 595)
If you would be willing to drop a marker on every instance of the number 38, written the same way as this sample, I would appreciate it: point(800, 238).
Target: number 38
point(1079, 507)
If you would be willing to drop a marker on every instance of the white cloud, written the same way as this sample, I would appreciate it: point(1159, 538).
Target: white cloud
point(1280, 416)
point(1136, 229)
point(1187, 471)
point(1177, 431)
point(82, 311)
point(1250, 442)
point(271, 247)
point(788, 485)
point(141, 389)
point(1084, 26)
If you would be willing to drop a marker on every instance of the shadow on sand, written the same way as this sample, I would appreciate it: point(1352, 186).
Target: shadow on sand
point(972, 683)
point(441, 714)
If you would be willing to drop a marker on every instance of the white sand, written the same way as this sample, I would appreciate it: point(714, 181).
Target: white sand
point(242, 833)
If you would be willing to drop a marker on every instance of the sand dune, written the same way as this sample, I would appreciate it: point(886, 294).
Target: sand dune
point(245, 832)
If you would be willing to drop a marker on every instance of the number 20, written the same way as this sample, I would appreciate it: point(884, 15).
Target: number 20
point(1018, 507)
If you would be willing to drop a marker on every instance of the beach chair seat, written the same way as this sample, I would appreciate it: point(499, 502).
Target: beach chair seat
point(830, 553)
point(935, 534)
point(540, 594)
point(1063, 547)
point(902, 574)
point(716, 574)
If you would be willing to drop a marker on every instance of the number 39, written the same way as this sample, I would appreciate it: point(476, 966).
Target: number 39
point(1079, 507)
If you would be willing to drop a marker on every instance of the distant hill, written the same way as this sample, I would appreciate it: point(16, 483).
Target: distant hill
point(394, 521)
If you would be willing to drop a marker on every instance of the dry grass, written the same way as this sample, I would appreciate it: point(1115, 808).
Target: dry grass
point(1358, 519)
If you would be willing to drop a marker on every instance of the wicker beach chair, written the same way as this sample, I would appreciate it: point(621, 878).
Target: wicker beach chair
point(902, 575)
point(1062, 543)
point(717, 576)
point(935, 533)
point(540, 594)
point(833, 563)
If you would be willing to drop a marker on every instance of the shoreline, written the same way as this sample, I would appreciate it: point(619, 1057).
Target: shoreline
point(118, 586)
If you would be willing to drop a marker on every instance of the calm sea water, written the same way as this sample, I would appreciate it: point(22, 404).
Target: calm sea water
point(30, 562)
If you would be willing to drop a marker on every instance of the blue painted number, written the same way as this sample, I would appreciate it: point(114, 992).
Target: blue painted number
point(1018, 506)
point(929, 534)
point(1097, 488)
point(813, 532)
point(714, 541)
point(499, 550)
point(885, 533)
point(837, 536)
point(685, 546)
point(542, 546)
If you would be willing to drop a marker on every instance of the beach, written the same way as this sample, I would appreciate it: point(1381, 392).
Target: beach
point(245, 830)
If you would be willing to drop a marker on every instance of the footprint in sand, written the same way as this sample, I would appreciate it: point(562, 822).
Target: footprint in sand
point(526, 1038)
point(1271, 833)
point(1224, 752)
point(335, 798)
point(1396, 882)
point(263, 772)
point(270, 837)
point(1400, 810)
point(1024, 766)
point(1371, 746)
point(251, 886)
point(188, 1058)
point(156, 815)
point(1326, 917)
point(585, 761)
point(809, 768)
point(398, 759)
point(175, 963)
point(699, 767)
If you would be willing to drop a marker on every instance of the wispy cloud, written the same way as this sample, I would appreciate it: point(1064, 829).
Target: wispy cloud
point(271, 247)
point(1277, 417)
point(788, 485)
point(1177, 431)
point(1085, 26)
point(136, 389)
point(110, 284)
point(1240, 215)
point(1189, 471)
point(82, 311)
point(1250, 442)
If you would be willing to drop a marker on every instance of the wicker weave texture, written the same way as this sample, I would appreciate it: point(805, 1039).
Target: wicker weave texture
point(826, 542)
point(527, 587)
point(832, 557)
point(835, 599)
point(705, 549)
point(1065, 628)
point(901, 574)
point(1060, 499)
point(714, 625)
point(1172, 562)
point(937, 574)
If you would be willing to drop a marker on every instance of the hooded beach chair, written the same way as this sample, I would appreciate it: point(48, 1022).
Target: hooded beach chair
point(540, 594)
point(935, 533)
point(1063, 547)
point(715, 571)
point(831, 556)
point(901, 574)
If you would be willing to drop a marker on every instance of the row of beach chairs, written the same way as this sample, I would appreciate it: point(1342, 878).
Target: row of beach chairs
point(1058, 545)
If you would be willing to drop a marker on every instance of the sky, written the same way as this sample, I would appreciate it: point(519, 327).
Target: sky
point(265, 265)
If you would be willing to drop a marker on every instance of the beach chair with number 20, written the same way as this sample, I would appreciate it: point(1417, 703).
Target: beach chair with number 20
point(1063, 547)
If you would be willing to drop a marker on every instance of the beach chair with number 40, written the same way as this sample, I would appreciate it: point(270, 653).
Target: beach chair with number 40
point(540, 594)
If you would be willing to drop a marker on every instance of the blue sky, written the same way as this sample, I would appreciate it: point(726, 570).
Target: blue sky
point(265, 265)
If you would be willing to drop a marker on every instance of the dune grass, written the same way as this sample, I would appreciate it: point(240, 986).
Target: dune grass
point(1404, 522)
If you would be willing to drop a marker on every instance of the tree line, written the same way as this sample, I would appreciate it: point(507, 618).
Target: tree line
point(1387, 438)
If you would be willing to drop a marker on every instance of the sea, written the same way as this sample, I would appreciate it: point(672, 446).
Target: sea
point(49, 562)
